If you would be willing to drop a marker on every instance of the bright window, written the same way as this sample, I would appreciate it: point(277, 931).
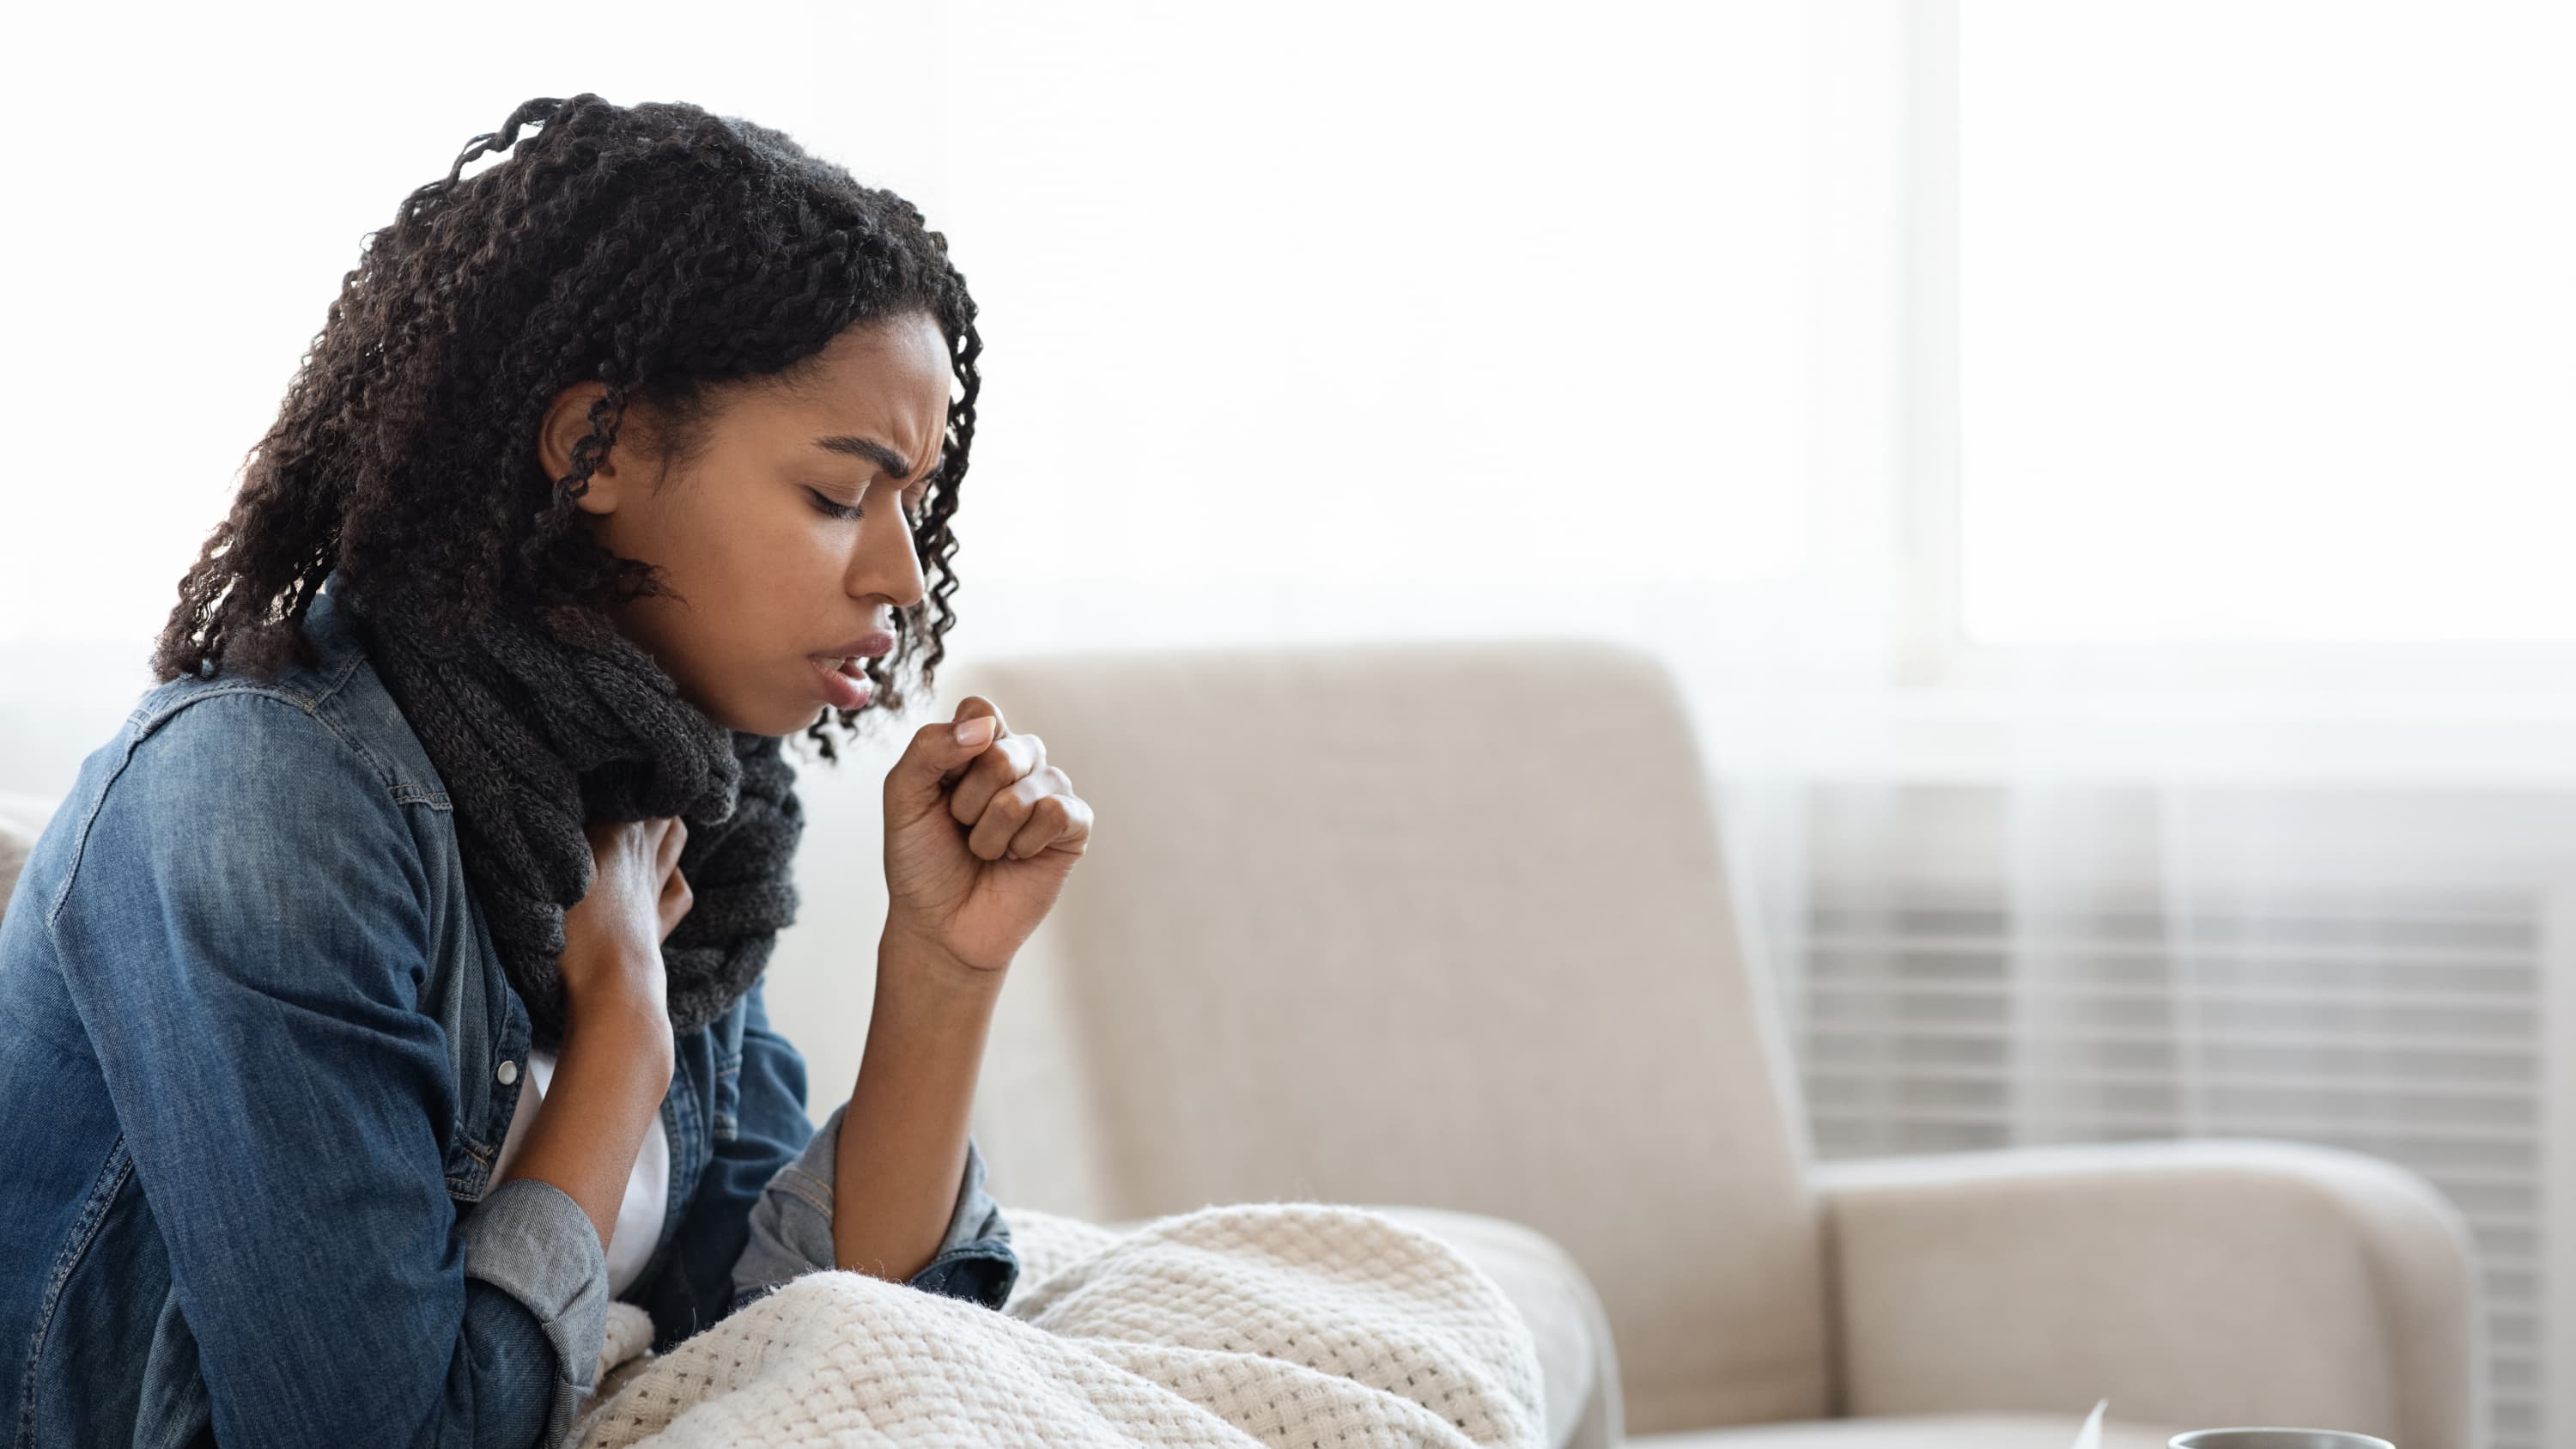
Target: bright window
point(2267, 323)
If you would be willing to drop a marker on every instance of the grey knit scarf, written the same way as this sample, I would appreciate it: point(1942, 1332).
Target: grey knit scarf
point(540, 726)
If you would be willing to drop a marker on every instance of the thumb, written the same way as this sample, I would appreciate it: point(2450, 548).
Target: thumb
point(940, 752)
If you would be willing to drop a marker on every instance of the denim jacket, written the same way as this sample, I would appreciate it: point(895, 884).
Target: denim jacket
point(259, 1054)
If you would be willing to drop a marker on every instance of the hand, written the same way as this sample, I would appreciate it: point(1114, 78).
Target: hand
point(612, 956)
point(978, 840)
point(617, 1057)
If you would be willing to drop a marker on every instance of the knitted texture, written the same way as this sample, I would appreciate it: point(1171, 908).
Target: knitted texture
point(1294, 1325)
point(540, 727)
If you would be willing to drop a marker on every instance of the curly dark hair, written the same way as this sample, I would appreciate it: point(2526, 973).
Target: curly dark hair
point(656, 249)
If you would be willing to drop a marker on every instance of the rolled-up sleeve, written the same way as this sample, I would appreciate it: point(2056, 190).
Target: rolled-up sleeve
point(532, 1243)
point(791, 1230)
point(245, 938)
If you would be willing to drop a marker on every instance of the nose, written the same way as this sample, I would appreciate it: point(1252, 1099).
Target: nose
point(883, 562)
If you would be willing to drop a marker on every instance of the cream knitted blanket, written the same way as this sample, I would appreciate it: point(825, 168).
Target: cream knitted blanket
point(1282, 1324)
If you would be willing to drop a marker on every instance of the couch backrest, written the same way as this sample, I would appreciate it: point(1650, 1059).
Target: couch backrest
point(1438, 924)
point(22, 819)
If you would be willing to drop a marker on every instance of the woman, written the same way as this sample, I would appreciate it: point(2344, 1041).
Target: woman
point(388, 990)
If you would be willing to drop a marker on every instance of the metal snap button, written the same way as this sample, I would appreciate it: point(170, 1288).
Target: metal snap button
point(508, 1073)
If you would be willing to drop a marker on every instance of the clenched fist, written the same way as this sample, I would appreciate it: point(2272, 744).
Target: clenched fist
point(980, 833)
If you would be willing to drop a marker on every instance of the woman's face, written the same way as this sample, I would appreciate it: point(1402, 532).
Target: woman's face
point(772, 582)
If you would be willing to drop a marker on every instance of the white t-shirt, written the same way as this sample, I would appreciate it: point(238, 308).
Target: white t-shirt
point(648, 1188)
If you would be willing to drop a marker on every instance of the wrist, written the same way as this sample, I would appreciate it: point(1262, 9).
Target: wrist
point(624, 1026)
point(915, 955)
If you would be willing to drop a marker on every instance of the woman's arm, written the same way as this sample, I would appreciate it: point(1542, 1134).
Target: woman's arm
point(615, 1063)
point(610, 1076)
point(980, 833)
point(245, 936)
point(903, 1135)
point(762, 1212)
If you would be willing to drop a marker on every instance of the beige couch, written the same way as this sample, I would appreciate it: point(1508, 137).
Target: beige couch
point(1443, 929)
point(1446, 926)
point(22, 818)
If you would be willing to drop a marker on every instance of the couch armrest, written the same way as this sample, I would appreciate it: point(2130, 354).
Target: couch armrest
point(2203, 1282)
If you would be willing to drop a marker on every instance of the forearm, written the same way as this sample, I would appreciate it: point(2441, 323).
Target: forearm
point(610, 1077)
point(902, 1148)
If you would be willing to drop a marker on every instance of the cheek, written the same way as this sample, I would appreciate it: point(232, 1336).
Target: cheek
point(738, 571)
point(776, 574)
point(744, 534)
point(754, 548)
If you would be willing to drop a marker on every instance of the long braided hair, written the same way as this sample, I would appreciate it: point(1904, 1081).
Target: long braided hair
point(656, 249)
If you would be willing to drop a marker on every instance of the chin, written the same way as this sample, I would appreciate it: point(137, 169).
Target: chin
point(764, 717)
point(786, 721)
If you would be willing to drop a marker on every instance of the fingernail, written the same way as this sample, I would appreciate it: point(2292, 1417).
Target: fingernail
point(975, 731)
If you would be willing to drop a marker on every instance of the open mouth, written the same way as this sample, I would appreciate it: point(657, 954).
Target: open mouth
point(843, 680)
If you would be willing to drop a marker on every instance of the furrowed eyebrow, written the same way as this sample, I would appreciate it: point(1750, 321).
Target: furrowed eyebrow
point(869, 449)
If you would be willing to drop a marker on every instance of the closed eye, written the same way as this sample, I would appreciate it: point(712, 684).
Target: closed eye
point(833, 507)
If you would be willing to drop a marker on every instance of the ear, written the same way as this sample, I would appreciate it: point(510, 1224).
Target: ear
point(566, 423)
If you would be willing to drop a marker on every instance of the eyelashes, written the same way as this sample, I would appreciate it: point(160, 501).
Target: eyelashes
point(850, 512)
point(831, 508)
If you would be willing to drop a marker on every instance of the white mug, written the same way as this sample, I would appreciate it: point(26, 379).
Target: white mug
point(2275, 1440)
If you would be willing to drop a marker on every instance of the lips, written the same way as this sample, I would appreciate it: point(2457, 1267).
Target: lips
point(866, 646)
point(840, 672)
point(841, 683)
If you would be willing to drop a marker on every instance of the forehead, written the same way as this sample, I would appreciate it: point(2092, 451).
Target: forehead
point(886, 379)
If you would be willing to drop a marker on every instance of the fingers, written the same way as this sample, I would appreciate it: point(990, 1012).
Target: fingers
point(971, 709)
point(1057, 822)
point(675, 901)
point(1006, 762)
point(936, 756)
point(1037, 811)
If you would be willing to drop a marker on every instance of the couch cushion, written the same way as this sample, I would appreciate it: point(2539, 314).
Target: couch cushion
point(1578, 1366)
point(1439, 922)
point(1939, 1431)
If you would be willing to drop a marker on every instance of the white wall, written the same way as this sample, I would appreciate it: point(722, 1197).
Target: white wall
point(1337, 320)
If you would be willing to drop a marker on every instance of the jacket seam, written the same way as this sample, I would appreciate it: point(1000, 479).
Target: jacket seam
point(727, 1124)
point(792, 1181)
point(143, 727)
point(309, 703)
point(103, 1190)
point(313, 706)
